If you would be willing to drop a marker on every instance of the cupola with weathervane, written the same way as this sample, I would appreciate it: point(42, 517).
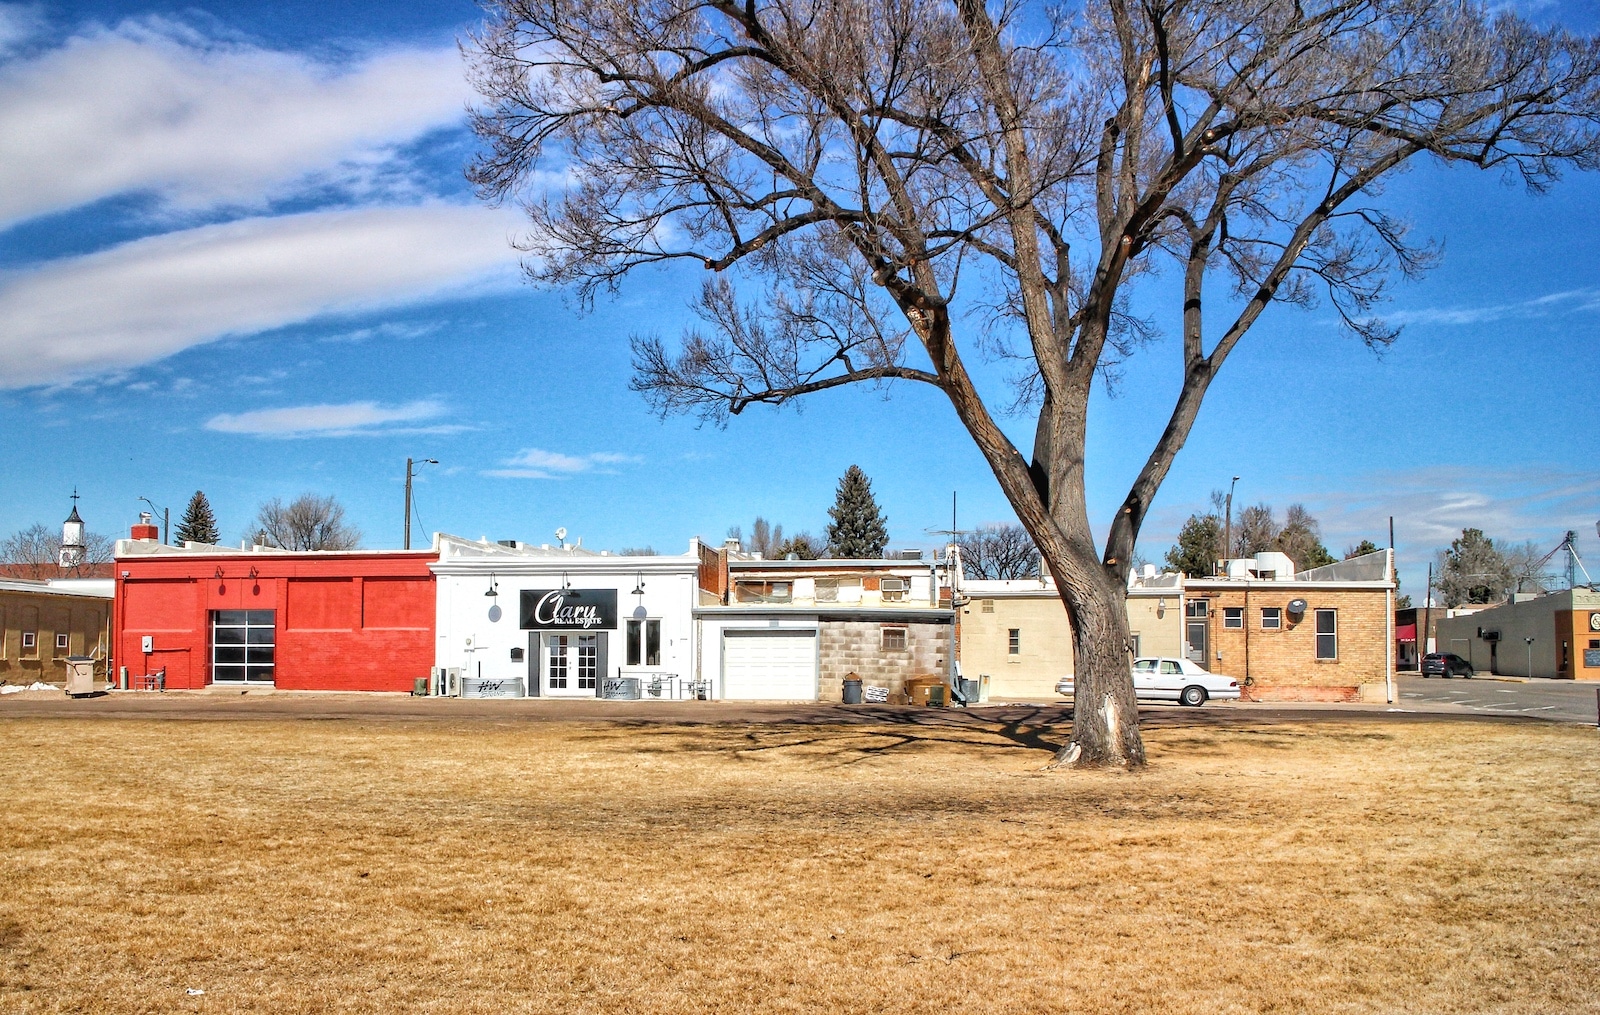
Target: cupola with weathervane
point(72, 545)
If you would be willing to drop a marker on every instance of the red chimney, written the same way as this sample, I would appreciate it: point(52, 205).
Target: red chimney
point(144, 528)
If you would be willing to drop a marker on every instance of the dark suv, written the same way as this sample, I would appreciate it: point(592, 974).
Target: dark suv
point(1445, 664)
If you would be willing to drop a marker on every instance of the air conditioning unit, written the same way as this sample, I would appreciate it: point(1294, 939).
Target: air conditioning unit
point(893, 589)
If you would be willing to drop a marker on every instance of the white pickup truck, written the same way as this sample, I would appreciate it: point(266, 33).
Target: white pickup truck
point(1165, 679)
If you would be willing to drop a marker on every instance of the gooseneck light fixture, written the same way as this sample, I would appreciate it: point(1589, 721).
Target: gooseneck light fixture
point(494, 587)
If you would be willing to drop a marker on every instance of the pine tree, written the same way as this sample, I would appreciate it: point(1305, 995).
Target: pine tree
point(1198, 541)
point(199, 525)
point(858, 529)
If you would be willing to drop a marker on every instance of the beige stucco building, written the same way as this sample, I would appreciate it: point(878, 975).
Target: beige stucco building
point(44, 622)
point(1015, 635)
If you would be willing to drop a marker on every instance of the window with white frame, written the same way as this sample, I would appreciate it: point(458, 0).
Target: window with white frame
point(838, 590)
point(894, 639)
point(1233, 616)
point(1271, 618)
point(61, 641)
point(30, 641)
point(1014, 641)
point(1327, 634)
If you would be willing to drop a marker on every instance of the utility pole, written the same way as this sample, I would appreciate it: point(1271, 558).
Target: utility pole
point(1227, 532)
point(1529, 640)
point(409, 474)
point(1427, 618)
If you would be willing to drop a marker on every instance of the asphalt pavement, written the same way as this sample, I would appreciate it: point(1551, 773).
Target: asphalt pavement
point(1558, 700)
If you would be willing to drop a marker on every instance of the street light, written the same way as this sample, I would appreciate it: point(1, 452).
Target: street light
point(1227, 538)
point(166, 517)
point(409, 474)
point(1529, 640)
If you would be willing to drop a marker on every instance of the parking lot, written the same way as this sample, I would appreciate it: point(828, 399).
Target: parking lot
point(1559, 700)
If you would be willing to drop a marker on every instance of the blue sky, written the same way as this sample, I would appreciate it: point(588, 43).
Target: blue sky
point(237, 254)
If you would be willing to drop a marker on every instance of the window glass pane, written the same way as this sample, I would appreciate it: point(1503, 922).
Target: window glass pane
point(260, 636)
point(1197, 608)
point(1014, 640)
point(262, 617)
point(229, 654)
point(652, 643)
point(259, 654)
point(233, 618)
point(229, 636)
point(227, 673)
point(258, 673)
point(1325, 621)
point(588, 661)
point(1145, 666)
point(894, 638)
point(1168, 666)
point(634, 653)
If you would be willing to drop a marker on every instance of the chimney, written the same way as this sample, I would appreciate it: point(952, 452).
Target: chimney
point(145, 529)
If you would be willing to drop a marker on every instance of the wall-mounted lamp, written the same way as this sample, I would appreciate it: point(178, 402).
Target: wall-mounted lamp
point(1161, 607)
point(566, 583)
point(494, 587)
point(638, 588)
point(254, 573)
point(218, 575)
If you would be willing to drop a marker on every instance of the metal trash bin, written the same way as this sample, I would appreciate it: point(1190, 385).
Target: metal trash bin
point(852, 690)
point(80, 676)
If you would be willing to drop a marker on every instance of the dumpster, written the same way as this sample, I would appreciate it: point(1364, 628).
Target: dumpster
point(80, 676)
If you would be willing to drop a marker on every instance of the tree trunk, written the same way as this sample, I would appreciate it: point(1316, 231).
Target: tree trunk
point(1105, 713)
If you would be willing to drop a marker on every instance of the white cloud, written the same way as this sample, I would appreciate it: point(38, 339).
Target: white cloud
point(152, 107)
point(1570, 301)
point(150, 298)
point(536, 463)
point(351, 419)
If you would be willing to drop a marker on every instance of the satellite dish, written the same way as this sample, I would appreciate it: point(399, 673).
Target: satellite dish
point(561, 534)
point(1297, 607)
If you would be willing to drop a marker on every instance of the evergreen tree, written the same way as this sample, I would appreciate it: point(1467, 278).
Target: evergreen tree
point(199, 525)
point(858, 529)
point(1198, 542)
point(1474, 570)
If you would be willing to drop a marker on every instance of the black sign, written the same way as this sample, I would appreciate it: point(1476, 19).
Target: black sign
point(569, 609)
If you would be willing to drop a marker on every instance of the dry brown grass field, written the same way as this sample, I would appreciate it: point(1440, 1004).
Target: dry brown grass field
point(483, 866)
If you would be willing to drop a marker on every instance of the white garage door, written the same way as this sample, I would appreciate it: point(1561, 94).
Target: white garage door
point(769, 665)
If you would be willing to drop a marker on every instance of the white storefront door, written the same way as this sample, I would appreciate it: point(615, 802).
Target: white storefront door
point(570, 664)
point(769, 665)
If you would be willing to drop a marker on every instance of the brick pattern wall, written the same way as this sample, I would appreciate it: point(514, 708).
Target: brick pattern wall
point(713, 575)
point(1283, 663)
point(855, 646)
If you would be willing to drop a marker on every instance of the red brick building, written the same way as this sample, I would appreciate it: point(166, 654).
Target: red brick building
point(360, 620)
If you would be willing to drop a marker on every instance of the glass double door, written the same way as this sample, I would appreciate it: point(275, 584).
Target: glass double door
point(569, 664)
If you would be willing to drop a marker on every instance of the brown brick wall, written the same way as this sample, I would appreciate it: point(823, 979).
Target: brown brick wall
point(84, 620)
point(855, 646)
point(1282, 664)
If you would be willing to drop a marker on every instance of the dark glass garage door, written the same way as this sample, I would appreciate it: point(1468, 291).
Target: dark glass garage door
point(242, 646)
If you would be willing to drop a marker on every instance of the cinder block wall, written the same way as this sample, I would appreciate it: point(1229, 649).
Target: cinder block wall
point(855, 646)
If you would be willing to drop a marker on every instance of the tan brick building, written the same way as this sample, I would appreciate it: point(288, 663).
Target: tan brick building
point(44, 622)
point(1320, 635)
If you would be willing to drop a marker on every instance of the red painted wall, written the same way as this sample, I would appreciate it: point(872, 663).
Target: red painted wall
point(343, 622)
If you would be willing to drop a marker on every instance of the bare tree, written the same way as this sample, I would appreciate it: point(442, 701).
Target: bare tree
point(999, 551)
point(1255, 529)
point(310, 522)
point(35, 552)
point(895, 183)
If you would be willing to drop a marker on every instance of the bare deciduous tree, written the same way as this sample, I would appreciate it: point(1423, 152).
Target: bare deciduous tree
point(873, 174)
point(35, 552)
point(310, 522)
point(999, 551)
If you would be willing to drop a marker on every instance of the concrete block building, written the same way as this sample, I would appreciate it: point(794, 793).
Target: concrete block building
point(44, 622)
point(1555, 635)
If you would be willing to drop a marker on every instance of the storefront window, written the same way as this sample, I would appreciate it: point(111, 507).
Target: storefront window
point(644, 643)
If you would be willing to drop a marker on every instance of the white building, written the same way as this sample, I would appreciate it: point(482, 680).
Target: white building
point(516, 620)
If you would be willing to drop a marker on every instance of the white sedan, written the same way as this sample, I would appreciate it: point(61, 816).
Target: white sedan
point(1164, 679)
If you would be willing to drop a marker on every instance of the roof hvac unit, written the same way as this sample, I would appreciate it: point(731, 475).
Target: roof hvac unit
point(893, 589)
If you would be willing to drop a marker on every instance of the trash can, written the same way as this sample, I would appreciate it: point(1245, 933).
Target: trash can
point(969, 690)
point(938, 696)
point(852, 690)
point(419, 687)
